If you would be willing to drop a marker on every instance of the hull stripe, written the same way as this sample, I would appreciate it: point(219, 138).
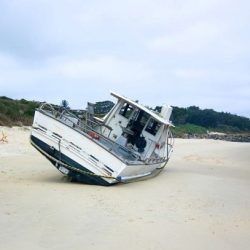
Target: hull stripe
point(76, 171)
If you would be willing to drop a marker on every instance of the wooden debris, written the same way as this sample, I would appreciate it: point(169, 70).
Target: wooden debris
point(3, 139)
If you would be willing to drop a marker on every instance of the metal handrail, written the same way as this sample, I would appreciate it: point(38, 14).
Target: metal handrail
point(84, 127)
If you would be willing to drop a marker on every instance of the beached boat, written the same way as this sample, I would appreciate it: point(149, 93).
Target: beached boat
point(130, 143)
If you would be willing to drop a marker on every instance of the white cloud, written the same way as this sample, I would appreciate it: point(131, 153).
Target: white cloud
point(153, 51)
point(61, 77)
point(104, 68)
point(193, 39)
point(215, 29)
point(190, 73)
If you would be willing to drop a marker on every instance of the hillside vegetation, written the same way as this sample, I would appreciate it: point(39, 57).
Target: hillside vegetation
point(191, 120)
point(16, 112)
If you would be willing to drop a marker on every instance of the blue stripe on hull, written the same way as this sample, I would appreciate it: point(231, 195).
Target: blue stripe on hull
point(76, 176)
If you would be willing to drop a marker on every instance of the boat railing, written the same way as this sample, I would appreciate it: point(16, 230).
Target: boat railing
point(169, 144)
point(89, 127)
point(164, 151)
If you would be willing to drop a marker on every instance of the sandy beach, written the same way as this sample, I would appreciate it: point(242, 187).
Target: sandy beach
point(200, 201)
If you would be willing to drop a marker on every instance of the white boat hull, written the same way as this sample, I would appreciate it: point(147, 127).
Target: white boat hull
point(83, 157)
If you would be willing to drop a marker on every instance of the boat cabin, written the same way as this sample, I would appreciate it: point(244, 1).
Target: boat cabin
point(137, 128)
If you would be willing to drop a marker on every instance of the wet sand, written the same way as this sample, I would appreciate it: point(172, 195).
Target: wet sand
point(200, 201)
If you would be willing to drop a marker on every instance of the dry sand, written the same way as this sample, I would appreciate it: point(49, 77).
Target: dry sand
point(201, 201)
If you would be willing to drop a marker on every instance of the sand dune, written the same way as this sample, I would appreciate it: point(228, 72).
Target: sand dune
point(201, 201)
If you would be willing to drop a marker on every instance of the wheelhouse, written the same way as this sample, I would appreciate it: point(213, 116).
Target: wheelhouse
point(138, 128)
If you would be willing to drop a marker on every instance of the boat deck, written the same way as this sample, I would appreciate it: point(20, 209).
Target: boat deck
point(127, 155)
point(90, 128)
point(120, 151)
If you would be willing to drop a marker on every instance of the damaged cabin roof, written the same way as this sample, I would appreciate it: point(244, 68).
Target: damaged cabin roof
point(156, 116)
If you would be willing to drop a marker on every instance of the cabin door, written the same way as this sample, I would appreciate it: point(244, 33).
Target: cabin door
point(136, 124)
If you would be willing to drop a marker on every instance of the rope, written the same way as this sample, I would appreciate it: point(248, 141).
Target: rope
point(68, 166)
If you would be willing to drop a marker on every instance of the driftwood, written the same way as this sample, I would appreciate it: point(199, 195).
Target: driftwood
point(3, 139)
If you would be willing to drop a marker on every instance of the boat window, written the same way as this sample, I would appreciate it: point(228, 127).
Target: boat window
point(126, 110)
point(144, 119)
point(153, 127)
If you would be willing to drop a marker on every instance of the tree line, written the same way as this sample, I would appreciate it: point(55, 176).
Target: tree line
point(191, 119)
point(210, 119)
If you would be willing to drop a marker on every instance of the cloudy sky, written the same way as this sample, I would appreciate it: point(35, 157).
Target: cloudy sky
point(156, 51)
